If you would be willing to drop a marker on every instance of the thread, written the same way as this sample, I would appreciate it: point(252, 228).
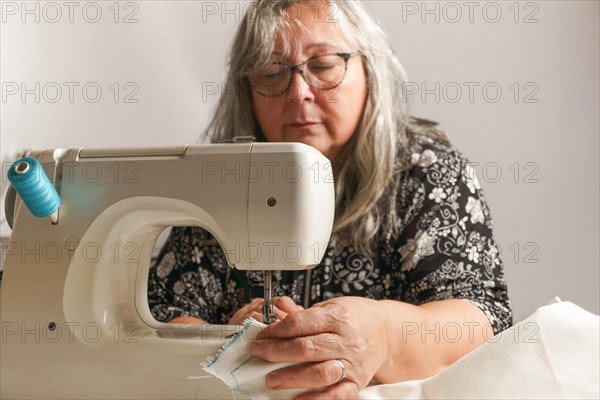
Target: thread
point(247, 393)
point(33, 185)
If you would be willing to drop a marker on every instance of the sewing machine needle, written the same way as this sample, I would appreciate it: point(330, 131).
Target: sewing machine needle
point(268, 309)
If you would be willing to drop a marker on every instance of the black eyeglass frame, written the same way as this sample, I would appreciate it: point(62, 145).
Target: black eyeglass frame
point(298, 67)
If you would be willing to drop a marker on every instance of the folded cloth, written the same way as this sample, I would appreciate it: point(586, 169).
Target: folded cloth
point(244, 374)
point(553, 354)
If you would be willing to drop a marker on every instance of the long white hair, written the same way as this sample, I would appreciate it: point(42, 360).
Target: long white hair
point(366, 172)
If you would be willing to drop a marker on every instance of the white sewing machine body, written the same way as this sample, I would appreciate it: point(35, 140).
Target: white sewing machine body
point(74, 310)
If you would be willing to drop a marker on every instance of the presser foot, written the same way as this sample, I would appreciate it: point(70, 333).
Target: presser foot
point(269, 315)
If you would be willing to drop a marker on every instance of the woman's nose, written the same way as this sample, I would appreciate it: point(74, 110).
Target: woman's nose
point(300, 90)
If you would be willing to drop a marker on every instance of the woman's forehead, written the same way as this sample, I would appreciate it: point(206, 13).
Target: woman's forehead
point(309, 38)
point(314, 47)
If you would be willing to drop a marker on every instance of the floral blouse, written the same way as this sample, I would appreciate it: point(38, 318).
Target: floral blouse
point(444, 250)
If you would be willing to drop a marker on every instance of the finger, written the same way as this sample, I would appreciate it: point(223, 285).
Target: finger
point(253, 311)
point(280, 314)
point(286, 304)
point(345, 389)
point(322, 347)
point(257, 316)
point(313, 375)
point(306, 322)
point(255, 302)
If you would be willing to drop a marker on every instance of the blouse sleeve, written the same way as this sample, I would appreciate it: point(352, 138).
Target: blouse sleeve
point(188, 277)
point(446, 250)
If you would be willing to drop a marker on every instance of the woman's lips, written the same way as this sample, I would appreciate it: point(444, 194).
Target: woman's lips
point(304, 124)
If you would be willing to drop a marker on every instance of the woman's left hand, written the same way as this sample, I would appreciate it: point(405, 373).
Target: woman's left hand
point(281, 305)
point(349, 329)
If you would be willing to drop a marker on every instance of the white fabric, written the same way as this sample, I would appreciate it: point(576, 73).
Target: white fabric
point(552, 354)
point(244, 374)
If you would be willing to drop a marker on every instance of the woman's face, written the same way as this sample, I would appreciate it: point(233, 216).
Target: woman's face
point(323, 119)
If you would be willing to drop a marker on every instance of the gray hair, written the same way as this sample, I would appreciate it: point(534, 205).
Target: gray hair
point(366, 181)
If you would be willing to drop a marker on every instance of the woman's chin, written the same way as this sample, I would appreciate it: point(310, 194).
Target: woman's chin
point(311, 137)
point(312, 141)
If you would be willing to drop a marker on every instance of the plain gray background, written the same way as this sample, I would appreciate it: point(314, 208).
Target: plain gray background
point(515, 86)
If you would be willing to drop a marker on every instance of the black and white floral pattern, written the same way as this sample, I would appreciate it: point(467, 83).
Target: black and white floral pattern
point(445, 250)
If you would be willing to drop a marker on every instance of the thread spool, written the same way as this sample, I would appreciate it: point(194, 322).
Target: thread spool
point(35, 188)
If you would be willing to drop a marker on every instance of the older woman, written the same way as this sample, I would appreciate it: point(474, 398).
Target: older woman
point(412, 279)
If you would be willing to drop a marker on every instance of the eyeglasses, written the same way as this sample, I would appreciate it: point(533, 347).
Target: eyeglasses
point(323, 71)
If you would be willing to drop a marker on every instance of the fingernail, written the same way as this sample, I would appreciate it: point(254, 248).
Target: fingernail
point(256, 350)
point(273, 381)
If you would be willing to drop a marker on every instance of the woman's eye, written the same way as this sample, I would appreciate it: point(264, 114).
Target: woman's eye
point(274, 76)
point(322, 67)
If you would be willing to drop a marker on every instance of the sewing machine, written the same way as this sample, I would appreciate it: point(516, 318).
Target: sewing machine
point(74, 309)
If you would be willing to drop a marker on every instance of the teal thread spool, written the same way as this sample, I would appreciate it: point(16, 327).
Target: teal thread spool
point(35, 188)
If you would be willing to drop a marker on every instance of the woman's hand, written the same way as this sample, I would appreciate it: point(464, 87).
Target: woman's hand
point(282, 305)
point(187, 320)
point(349, 329)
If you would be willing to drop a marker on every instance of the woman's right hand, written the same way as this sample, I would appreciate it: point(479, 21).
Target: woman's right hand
point(283, 306)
